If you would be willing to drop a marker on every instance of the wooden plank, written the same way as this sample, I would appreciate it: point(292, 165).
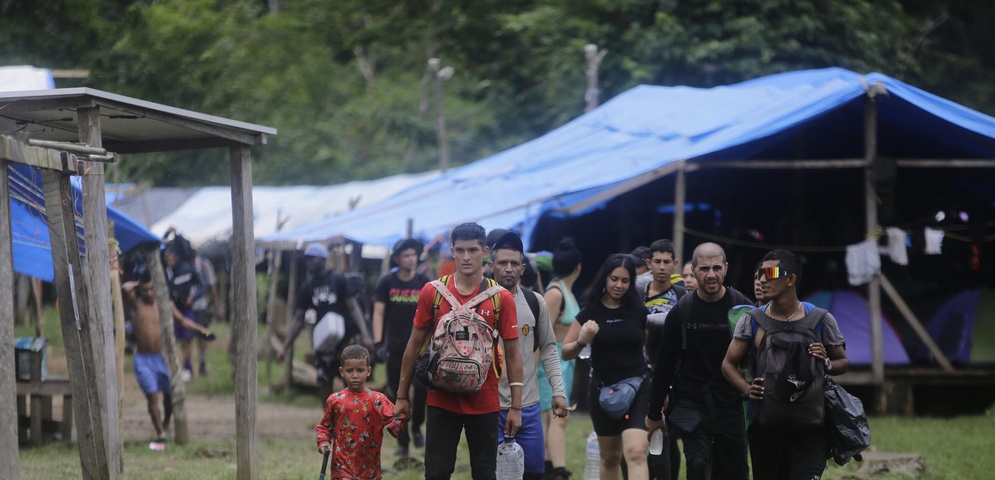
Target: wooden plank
point(8, 394)
point(758, 164)
point(944, 163)
point(119, 333)
point(15, 151)
point(288, 362)
point(916, 325)
point(244, 318)
point(49, 387)
point(98, 292)
point(181, 432)
point(73, 314)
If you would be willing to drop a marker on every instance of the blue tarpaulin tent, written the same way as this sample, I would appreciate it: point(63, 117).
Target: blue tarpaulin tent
point(854, 318)
point(639, 135)
point(29, 227)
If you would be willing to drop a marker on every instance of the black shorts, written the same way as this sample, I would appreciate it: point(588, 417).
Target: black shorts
point(203, 317)
point(606, 426)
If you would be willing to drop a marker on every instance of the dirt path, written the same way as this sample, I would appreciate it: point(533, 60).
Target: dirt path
point(209, 418)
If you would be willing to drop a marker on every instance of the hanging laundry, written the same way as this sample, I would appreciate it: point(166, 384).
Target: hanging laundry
point(897, 240)
point(934, 241)
point(863, 262)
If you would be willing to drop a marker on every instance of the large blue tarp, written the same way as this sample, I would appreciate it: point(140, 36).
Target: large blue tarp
point(633, 138)
point(29, 226)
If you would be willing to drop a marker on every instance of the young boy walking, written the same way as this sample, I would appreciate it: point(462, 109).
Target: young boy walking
point(352, 427)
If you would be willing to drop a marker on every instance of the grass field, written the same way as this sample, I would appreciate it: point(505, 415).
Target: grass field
point(952, 448)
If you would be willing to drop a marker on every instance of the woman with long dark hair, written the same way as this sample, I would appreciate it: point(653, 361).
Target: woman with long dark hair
point(613, 323)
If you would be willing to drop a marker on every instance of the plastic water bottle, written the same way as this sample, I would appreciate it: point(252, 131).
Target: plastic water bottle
point(585, 352)
point(656, 442)
point(510, 460)
point(592, 464)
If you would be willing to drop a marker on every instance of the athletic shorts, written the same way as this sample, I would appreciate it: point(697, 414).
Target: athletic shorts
point(530, 437)
point(606, 426)
point(151, 373)
point(181, 332)
point(545, 391)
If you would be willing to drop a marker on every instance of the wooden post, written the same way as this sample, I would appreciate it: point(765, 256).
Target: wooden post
point(871, 217)
point(8, 386)
point(181, 432)
point(119, 335)
point(270, 307)
point(680, 194)
point(77, 326)
point(98, 287)
point(288, 362)
point(244, 314)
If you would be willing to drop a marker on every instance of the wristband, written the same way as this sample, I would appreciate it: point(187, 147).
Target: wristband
point(401, 398)
point(516, 384)
point(516, 408)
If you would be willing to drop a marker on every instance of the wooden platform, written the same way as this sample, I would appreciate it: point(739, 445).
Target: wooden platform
point(35, 419)
point(920, 390)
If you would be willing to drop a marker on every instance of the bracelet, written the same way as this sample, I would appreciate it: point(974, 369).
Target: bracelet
point(516, 408)
point(401, 398)
point(516, 384)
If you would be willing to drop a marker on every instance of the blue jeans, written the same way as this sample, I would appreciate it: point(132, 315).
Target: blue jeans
point(442, 434)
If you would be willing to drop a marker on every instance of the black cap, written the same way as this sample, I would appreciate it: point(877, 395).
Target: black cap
point(405, 244)
point(501, 238)
point(642, 253)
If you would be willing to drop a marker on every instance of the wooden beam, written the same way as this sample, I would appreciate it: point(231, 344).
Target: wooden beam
point(625, 186)
point(757, 164)
point(8, 380)
point(119, 333)
point(944, 163)
point(680, 195)
point(201, 126)
point(244, 318)
point(76, 325)
point(871, 225)
point(15, 151)
point(916, 325)
point(98, 291)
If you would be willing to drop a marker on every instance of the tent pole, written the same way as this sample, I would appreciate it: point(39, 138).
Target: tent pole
point(872, 227)
point(680, 192)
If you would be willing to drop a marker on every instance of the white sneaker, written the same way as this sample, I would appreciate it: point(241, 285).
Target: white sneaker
point(186, 375)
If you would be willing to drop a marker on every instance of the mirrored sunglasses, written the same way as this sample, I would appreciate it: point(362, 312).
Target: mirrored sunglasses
point(771, 273)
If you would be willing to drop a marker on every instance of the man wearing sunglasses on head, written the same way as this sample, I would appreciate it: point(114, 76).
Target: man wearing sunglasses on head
point(793, 345)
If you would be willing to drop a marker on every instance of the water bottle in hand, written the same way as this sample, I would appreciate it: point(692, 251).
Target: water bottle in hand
point(510, 460)
point(656, 442)
point(592, 463)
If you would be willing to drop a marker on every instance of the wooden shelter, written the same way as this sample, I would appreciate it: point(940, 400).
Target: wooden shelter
point(67, 132)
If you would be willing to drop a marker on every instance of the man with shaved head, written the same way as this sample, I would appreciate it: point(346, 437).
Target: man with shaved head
point(703, 410)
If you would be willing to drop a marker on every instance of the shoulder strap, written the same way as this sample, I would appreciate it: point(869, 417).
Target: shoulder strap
point(530, 298)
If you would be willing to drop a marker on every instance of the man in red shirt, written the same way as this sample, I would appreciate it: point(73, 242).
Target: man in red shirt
point(475, 414)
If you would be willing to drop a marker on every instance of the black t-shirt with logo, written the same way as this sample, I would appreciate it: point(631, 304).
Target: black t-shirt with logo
point(400, 300)
point(617, 348)
point(327, 293)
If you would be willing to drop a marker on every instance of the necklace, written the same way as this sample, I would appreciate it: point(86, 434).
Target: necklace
point(793, 313)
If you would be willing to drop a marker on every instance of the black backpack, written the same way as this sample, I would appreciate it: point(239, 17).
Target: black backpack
point(794, 381)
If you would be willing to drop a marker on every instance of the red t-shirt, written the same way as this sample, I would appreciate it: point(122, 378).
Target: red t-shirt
point(485, 400)
point(357, 421)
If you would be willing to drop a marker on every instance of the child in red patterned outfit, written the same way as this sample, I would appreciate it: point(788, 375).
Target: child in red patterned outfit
point(356, 416)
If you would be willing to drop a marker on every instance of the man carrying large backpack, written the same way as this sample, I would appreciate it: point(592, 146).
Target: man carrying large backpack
point(462, 399)
point(792, 346)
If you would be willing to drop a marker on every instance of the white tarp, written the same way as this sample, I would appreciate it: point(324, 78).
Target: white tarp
point(206, 216)
point(25, 78)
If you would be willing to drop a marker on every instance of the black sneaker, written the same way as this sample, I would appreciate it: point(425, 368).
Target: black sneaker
point(417, 437)
point(401, 452)
point(203, 369)
point(560, 473)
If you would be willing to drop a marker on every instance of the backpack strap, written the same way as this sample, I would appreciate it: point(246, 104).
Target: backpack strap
point(530, 298)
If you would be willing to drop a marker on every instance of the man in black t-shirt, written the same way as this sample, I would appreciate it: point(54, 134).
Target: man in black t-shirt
point(705, 411)
point(395, 300)
point(327, 294)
